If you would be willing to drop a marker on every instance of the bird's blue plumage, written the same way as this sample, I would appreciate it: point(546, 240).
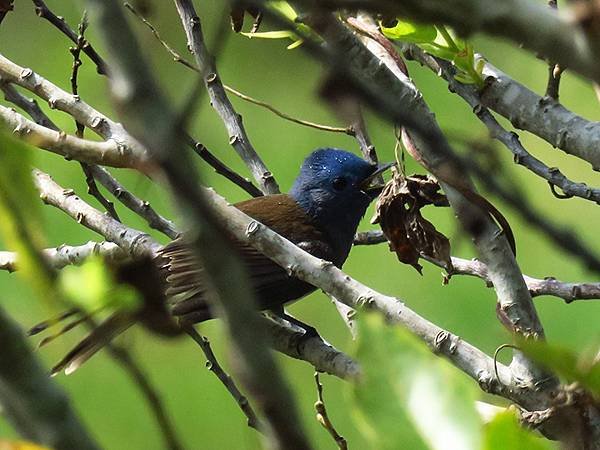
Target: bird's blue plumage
point(329, 189)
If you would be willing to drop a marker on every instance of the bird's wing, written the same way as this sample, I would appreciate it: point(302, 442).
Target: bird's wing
point(272, 284)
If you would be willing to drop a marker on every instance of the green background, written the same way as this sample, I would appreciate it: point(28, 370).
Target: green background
point(205, 415)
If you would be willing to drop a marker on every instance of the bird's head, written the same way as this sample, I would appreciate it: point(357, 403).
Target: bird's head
point(334, 188)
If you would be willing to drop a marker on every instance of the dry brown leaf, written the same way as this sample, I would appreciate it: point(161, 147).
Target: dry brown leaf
point(398, 212)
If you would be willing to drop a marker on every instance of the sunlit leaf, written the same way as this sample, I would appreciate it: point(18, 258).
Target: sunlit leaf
point(408, 396)
point(440, 52)
point(464, 78)
point(20, 445)
point(294, 45)
point(566, 363)
point(92, 287)
point(283, 8)
point(410, 32)
point(282, 34)
point(505, 433)
point(20, 210)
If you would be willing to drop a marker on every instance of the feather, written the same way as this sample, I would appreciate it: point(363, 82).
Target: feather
point(271, 283)
point(93, 342)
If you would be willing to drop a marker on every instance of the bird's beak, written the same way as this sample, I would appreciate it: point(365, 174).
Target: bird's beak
point(373, 190)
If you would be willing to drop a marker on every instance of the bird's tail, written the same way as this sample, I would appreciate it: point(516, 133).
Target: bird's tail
point(97, 339)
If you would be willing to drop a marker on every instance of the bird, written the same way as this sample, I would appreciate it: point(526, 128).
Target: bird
point(320, 214)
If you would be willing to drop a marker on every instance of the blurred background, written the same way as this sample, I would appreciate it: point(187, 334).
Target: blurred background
point(205, 415)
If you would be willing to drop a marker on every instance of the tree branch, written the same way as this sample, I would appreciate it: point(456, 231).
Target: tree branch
point(134, 242)
point(221, 168)
point(525, 22)
point(541, 116)
point(44, 12)
point(70, 147)
point(150, 118)
point(510, 140)
point(66, 255)
point(567, 291)
point(219, 100)
point(59, 99)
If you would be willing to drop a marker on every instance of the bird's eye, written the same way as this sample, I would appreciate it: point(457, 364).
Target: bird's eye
point(339, 184)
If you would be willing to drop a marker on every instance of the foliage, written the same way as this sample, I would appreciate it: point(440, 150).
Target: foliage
point(505, 433)
point(410, 398)
point(439, 41)
point(405, 387)
point(582, 368)
point(101, 291)
point(20, 209)
point(285, 10)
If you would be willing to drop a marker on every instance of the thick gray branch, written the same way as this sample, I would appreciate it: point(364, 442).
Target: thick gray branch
point(135, 243)
point(70, 147)
point(541, 116)
point(59, 99)
point(511, 140)
point(66, 255)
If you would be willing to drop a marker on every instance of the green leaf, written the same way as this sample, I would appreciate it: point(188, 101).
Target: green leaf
point(283, 8)
point(505, 433)
point(464, 78)
point(566, 363)
point(439, 51)
point(92, 287)
point(408, 396)
point(296, 44)
point(410, 32)
point(281, 34)
point(20, 212)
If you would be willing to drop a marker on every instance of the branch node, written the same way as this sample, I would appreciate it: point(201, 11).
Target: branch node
point(25, 73)
point(252, 228)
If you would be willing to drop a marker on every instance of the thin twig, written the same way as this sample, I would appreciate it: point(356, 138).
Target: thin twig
point(44, 12)
point(141, 207)
point(150, 393)
point(213, 365)
point(554, 69)
point(323, 418)
point(348, 130)
point(80, 128)
point(549, 286)
point(95, 192)
point(179, 59)
point(221, 168)
point(219, 100)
